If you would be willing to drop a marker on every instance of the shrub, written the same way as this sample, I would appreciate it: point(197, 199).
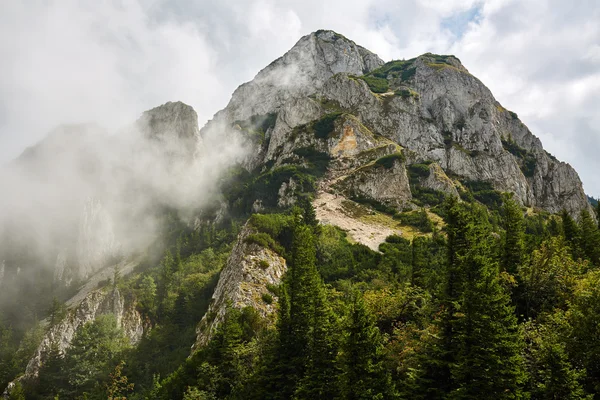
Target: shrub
point(426, 197)
point(262, 264)
point(318, 161)
point(273, 289)
point(267, 298)
point(416, 171)
point(528, 162)
point(408, 73)
point(324, 126)
point(406, 93)
point(271, 224)
point(419, 220)
point(389, 160)
point(483, 192)
point(261, 239)
point(376, 84)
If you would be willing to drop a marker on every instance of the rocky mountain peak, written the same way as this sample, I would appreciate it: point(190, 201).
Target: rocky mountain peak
point(172, 119)
point(300, 72)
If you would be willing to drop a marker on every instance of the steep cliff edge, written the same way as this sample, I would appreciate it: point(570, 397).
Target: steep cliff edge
point(244, 282)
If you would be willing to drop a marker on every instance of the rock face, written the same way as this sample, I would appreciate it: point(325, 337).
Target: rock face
point(300, 72)
point(439, 181)
point(171, 121)
point(430, 105)
point(387, 185)
point(96, 303)
point(243, 282)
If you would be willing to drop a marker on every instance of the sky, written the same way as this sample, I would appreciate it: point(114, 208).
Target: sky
point(106, 61)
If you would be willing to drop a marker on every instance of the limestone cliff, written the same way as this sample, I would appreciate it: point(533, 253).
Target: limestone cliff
point(243, 282)
point(430, 105)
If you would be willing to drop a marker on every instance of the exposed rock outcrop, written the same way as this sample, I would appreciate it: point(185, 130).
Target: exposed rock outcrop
point(243, 282)
point(300, 72)
point(438, 180)
point(387, 185)
point(95, 303)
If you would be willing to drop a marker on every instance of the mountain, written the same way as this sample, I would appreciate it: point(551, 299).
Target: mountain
point(196, 225)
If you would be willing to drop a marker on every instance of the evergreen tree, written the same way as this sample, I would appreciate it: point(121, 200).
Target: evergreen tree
point(477, 347)
point(321, 376)
point(93, 349)
point(552, 375)
point(57, 311)
point(52, 377)
point(572, 234)
point(486, 338)
point(590, 237)
point(296, 315)
point(365, 375)
point(514, 244)
point(435, 380)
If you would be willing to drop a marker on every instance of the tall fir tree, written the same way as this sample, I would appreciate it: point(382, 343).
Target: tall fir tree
point(365, 375)
point(477, 349)
point(590, 237)
point(320, 380)
point(513, 251)
point(297, 310)
point(572, 234)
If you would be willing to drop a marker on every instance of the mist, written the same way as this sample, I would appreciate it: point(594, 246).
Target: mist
point(86, 197)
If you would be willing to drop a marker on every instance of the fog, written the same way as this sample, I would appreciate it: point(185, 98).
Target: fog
point(85, 197)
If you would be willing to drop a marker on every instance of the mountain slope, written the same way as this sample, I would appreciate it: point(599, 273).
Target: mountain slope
point(367, 143)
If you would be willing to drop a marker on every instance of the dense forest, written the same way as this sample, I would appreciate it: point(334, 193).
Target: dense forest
point(495, 302)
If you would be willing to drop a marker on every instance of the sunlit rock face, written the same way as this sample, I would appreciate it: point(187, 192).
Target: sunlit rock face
point(243, 282)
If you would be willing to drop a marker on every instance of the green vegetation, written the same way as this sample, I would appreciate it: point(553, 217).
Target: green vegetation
point(423, 196)
point(499, 302)
point(258, 125)
point(378, 80)
point(483, 192)
point(376, 84)
point(527, 160)
point(324, 126)
point(406, 93)
point(418, 219)
point(391, 159)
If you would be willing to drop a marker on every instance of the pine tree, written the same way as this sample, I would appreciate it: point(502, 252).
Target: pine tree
point(52, 378)
point(365, 375)
point(477, 347)
point(514, 244)
point(321, 376)
point(56, 312)
point(572, 234)
point(297, 309)
point(486, 337)
point(590, 237)
point(435, 379)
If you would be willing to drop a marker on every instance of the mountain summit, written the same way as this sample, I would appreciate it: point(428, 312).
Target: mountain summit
point(430, 107)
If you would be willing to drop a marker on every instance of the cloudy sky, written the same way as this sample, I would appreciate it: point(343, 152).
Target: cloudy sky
point(106, 61)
